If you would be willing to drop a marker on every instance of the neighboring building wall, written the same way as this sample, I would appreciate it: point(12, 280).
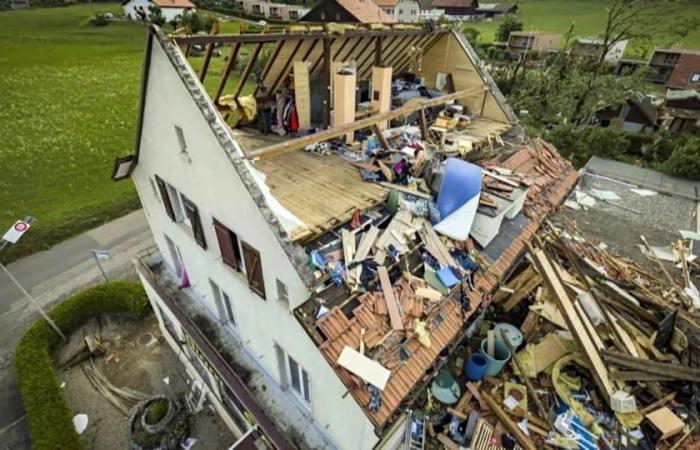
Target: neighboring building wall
point(686, 73)
point(206, 175)
point(407, 11)
point(172, 13)
point(545, 42)
point(616, 53)
point(663, 62)
point(131, 8)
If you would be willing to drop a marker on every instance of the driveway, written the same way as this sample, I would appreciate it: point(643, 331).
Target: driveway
point(50, 276)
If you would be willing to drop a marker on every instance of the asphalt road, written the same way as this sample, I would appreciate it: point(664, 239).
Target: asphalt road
point(49, 277)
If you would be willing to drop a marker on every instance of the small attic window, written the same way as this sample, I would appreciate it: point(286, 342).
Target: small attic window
point(181, 139)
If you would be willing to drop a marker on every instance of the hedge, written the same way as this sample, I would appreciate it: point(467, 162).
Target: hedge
point(49, 416)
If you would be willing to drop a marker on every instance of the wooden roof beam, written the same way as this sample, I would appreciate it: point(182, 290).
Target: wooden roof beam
point(300, 143)
point(235, 48)
point(268, 66)
point(275, 37)
point(248, 68)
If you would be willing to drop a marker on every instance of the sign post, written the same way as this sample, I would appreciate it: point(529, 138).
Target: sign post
point(11, 237)
point(100, 255)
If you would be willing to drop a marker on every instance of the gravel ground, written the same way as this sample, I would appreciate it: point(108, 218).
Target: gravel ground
point(137, 358)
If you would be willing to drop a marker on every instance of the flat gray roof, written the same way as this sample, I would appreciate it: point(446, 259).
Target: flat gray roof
point(647, 178)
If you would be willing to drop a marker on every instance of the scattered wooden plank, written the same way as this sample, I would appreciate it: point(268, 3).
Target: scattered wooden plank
point(512, 427)
point(405, 190)
point(429, 293)
point(573, 321)
point(652, 367)
point(391, 304)
point(471, 387)
point(366, 243)
point(367, 369)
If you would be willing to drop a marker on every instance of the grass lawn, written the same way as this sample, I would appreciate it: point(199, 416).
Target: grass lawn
point(557, 15)
point(69, 105)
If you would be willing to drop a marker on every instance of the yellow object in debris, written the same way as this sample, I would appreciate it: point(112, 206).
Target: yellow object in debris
point(241, 108)
point(563, 385)
point(422, 332)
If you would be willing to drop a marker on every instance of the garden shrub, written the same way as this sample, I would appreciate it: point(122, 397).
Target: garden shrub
point(48, 414)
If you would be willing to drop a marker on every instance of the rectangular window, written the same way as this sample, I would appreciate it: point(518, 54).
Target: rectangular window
point(162, 187)
point(298, 379)
point(223, 304)
point(181, 138)
point(695, 77)
point(193, 215)
point(175, 203)
point(229, 246)
point(253, 266)
point(282, 293)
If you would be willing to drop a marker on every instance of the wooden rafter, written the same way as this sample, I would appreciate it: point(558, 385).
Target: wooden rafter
point(315, 65)
point(275, 37)
point(363, 56)
point(377, 51)
point(205, 63)
point(235, 48)
point(268, 65)
point(299, 143)
point(286, 66)
point(248, 68)
point(351, 51)
point(391, 60)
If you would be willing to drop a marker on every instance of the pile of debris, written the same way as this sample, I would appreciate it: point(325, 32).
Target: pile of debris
point(603, 354)
point(399, 285)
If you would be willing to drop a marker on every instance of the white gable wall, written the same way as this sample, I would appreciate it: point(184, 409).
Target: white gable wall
point(130, 8)
point(207, 176)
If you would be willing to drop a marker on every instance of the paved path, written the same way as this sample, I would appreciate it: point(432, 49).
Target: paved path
point(51, 276)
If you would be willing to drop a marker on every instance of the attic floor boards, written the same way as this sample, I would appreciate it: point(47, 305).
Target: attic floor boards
point(322, 191)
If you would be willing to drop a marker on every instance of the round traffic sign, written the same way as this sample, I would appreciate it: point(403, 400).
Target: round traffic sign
point(21, 226)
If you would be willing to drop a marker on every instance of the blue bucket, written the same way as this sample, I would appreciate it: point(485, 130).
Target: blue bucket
point(501, 357)
point(476, 367)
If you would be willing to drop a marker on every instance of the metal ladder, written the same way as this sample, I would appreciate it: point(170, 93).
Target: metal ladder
point(415, 431)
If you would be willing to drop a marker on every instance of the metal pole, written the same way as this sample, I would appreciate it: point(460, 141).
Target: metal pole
point(97, 261)
point(34, 302)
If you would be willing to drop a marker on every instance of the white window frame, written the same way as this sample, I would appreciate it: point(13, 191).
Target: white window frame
point(302, 392)
point(224, 305)
point(694, 77)
point(176, 202)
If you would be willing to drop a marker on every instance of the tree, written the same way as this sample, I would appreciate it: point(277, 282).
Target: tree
point(472, 34)
point(678, 156)
point(510, 22)
point(197, 22)
point(155, 15)
point(637, 21)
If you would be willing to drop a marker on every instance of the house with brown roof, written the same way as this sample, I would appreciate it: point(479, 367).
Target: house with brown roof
point(533, 41)
point(406, 11)
point(455, 7)
point(308, 294)
point(171, 9)
point(493, 10)
point(347, 11)
point(676, 68)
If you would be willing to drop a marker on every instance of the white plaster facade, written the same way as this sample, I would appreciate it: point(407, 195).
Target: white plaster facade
point(132, 7)
point(208, 175)
point(405, 11)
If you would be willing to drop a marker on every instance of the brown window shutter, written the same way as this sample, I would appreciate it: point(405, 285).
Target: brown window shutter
point(166, 198)
point(227, 246)
point(193, 215)
point(253, 267)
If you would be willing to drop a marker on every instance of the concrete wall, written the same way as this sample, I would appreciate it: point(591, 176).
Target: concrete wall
point(206, 175)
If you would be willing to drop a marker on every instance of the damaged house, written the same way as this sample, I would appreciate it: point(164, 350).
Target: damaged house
point(329, 221)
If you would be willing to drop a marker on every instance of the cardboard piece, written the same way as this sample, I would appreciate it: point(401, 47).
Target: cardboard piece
point(548, 351)
point(665, 421)
point(381, 92)
point(367, 369)
point(302, 94)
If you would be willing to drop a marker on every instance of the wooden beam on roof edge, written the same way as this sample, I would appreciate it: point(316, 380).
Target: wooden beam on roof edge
point(235, 48)
point(299, 143)
point(287, 65)
point(205, 63)
point(248, 68)
point(268, 66)
point(275, 37)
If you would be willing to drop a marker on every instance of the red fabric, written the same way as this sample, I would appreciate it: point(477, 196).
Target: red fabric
point(294, 122)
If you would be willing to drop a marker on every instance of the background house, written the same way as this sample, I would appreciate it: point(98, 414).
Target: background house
point(589, 46)
point(533, 41)
point(400, 10)
point(681, 110)
point(134, 9)
point(676, 68)
point(363, 11)
point(455, 7)
point(492, 10)
point(639, 115)
point(278, 11)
